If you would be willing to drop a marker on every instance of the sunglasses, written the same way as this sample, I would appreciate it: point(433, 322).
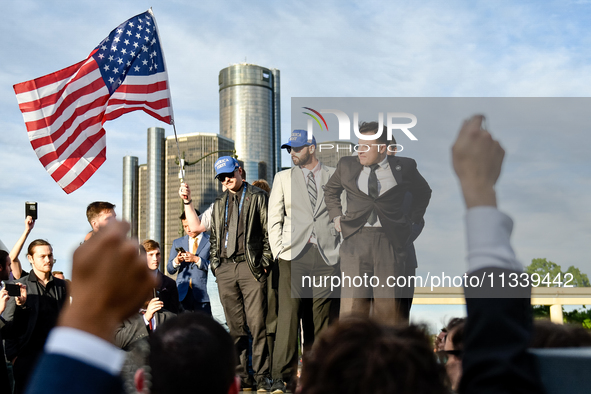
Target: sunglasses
point(222, 177)
point(296, 150)
point(443, 355)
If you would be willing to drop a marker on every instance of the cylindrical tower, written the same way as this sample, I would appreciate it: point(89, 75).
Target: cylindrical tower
point(155, 185)
point(249, 115)
point(130, 193)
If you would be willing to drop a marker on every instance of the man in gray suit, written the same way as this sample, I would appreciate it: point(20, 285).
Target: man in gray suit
point(305, 242)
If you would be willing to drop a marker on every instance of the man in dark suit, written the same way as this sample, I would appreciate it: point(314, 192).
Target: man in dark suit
point(165, 290)
point(32, 321)
point(139, 326)
point(411, 265)
point(191, 264)
point(375, 228)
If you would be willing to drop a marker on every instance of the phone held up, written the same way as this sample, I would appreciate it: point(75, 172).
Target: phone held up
point(31, 209)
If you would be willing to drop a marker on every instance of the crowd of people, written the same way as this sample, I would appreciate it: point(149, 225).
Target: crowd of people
point(237, 316)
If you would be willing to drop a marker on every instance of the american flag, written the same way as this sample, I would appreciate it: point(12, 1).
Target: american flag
point(65, 111)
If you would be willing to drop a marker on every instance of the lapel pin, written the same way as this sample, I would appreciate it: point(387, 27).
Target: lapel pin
point(398, 168)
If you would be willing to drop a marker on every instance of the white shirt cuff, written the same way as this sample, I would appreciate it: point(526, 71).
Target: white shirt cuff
point(489, 240)
point(175, 265)
point(85, 347)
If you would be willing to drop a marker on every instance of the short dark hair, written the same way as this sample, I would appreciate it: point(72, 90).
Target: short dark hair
point(457, 334)
point(3, 258)
point(94, 209)
point(372, 128)
point(183, 216)
point(550, 335)
point(34, 244)
point(150, 244)
point(359, 355)
point(262, 184)
point(192, 350)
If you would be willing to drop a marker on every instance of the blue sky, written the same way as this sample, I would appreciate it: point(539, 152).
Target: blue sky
point(323, 49)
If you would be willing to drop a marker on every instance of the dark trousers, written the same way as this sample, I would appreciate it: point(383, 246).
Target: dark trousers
point(23, 369)
point(245, 306)
point(289, 295)
point(191, 305)
point(368, 253)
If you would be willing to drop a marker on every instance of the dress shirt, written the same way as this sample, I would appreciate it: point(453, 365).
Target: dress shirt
point(488, 238)
point(386, 181)
point(191, 243)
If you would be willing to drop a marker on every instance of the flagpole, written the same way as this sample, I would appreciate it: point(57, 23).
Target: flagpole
point(181, 161)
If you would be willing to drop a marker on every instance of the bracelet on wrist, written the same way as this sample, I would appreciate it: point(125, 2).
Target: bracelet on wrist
point(187, 202)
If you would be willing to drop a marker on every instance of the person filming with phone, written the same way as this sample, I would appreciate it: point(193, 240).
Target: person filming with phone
point(189, 257)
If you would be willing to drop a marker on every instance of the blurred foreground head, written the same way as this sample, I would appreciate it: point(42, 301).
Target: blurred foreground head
point(357, 355)
point(190, 351)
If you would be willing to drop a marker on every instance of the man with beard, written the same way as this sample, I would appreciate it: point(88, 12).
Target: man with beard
point(305, 242)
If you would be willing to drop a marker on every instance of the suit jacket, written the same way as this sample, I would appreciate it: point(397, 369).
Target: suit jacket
point(20, 321)
point(58, 374)
point(254, 220)
point(388, 206)
point(292, 218)
point(168, 293)
point(134, 329)
point(189, 271)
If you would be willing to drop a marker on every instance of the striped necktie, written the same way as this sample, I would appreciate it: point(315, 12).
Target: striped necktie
point(312, 192)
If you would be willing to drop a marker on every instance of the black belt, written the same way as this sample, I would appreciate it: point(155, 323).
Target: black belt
point(237, 259)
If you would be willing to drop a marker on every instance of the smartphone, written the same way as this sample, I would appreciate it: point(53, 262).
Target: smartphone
point(14, 290)
point(180, 249)
point(31, 209)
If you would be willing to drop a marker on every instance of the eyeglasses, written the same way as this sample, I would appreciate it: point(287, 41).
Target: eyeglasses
point(222, 177)
point(296, 150)
point(443, 355)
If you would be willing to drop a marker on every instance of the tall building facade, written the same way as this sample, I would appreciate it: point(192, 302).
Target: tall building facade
point(250, 116)
point(330, 152)
point(130, 193)
point(142, 205)
point(200, 177)
point(155, 185)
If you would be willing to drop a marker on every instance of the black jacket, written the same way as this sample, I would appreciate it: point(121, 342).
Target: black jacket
point(22, 319)
point(389, 206)
point(254, 219)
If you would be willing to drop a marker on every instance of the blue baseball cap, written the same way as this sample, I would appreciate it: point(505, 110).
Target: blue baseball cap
point(225, 164)
point(299, 138)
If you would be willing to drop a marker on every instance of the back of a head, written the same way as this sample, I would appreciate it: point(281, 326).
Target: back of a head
point(357, 355)
point(190, 353)
point(550, 335)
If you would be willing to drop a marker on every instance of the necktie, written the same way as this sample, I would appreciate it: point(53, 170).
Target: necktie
point(372, 191)
point(312, 192)
point(233, 227)
point(195, 246)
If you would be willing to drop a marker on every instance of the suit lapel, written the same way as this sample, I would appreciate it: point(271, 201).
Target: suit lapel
point(323, 179)
point(299, 190)
point(356, 169)
point(202, 243)
point(396, 168)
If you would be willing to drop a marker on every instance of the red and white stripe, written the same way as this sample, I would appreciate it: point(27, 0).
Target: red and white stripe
point(64, 113)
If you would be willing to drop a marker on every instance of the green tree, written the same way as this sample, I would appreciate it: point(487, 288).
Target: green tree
point(543, 267)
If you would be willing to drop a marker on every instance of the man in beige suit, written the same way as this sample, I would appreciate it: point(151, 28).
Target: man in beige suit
point(305, 243)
